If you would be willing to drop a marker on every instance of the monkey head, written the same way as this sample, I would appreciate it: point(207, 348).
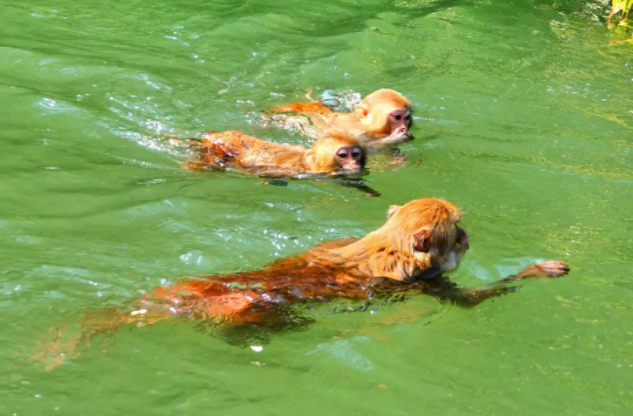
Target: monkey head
point(385, 112)
point(337, 152)
point(420, 240)
point(428, 230)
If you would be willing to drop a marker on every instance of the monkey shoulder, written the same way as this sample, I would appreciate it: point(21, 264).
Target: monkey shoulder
point(329, 245)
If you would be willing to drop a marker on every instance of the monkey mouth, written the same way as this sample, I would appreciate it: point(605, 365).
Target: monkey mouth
point(347, 172)
point(352, 173)
point(355, 174)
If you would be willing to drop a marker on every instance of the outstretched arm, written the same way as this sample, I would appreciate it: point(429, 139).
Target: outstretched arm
point(369, 191)
point(443, 289)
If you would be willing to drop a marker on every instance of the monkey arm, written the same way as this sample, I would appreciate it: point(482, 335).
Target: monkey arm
point(397, 137)
point(273, 172)
point(550, 268)
point(446, 290)
point(362, 187)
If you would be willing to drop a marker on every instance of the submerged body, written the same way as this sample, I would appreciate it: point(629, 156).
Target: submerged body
point(334, 153)
point(411, 252)
point(382, 119)
point(419, 243)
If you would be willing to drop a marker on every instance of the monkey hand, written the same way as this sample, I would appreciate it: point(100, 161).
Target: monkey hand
point(552, 268)
point(397, 137)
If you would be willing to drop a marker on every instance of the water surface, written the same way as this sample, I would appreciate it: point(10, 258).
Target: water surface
point(525, 121)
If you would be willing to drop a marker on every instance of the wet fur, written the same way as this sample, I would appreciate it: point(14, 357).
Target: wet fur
point(368, 120)
point(419, 241)
point(237, 151)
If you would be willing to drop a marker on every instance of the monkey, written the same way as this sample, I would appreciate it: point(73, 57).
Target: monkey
point(382, 119)
point(419, 243)
point(335, 153)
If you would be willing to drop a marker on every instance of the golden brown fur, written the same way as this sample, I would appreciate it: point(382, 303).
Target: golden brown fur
point(391, 251)
point(410, 252)
point(236, 151)
point(420, 241)
point(371, 120)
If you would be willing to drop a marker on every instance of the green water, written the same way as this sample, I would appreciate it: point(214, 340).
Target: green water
point(524, 120)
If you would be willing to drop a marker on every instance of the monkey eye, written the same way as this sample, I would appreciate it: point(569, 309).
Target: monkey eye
point(397, 115)
point(407, 117)
point(342, 153)
point(461, 234)
point(356, 153)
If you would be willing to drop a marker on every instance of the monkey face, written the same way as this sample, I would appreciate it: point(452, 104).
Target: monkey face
point(450, 260)
point(388, 119)
point(442, 250)
point(429, 228)
point(350, 158)
point(399, 120)
point(337, 152)
point(458, 243)
point(385, 112)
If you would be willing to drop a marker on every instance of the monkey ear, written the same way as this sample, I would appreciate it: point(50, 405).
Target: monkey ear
point(392, 210)
point(362, 109)
point(422, 241)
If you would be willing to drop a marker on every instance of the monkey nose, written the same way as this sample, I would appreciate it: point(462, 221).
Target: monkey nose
point(353, 166)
